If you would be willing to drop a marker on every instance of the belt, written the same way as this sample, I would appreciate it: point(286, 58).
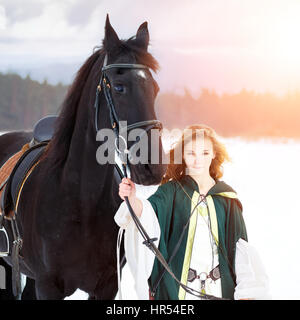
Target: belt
point(214, 274)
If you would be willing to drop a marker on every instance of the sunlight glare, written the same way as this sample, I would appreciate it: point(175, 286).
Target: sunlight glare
point(282, 39)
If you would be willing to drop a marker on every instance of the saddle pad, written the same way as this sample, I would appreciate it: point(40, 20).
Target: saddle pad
point(23, 170)
point(8, 167)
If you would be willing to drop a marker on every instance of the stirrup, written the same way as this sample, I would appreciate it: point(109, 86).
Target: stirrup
point(5, 253)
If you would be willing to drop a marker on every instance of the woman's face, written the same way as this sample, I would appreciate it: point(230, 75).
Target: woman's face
point(198, 155)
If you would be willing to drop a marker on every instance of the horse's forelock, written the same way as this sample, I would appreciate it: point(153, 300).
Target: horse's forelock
point(142, 56)
point(132, 48)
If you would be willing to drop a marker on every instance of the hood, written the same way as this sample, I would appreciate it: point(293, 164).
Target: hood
point(220, 188)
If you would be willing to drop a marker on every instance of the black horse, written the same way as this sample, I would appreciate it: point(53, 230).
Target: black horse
point(67, 205)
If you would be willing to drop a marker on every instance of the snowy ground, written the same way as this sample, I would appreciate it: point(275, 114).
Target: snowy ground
point(265, 175)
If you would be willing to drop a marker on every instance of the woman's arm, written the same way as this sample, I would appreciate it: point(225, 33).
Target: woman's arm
point(139, 258)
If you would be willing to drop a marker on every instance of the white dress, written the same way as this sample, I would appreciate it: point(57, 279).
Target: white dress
point(204, 258)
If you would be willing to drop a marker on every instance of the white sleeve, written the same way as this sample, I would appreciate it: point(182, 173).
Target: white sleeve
point(251, 279)
point(122, 216)
point(139, 258)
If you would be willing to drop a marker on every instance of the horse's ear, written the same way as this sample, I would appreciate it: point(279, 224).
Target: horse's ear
point(142, 36)
point(111, 39)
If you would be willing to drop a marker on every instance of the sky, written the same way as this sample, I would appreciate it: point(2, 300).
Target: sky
point(222, 45)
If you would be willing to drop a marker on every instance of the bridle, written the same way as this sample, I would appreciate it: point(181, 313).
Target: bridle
point(105, 86)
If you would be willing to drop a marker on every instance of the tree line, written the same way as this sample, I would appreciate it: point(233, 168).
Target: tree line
point(25, 101)
point(246, 114)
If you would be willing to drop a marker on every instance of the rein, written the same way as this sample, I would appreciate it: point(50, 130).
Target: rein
point(149, 243)
point(104, 85)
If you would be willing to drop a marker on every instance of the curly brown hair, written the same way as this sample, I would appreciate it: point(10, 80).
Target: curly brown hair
point(176, 167)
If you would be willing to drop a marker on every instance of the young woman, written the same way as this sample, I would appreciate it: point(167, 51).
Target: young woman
point(198, 221)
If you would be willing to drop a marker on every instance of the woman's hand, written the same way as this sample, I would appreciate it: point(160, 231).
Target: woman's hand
point(127, 189)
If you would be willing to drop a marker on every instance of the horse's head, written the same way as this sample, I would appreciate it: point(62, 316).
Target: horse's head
point(127, 92)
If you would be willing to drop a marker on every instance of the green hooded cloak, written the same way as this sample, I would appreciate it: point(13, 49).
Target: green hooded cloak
point(173, 203)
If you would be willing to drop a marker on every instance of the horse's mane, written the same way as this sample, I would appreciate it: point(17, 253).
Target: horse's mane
point(65, 123)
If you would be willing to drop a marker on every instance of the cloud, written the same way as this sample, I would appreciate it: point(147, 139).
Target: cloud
point(3, 19)
point(79, 13)
point(212, 39)
point(17, 10)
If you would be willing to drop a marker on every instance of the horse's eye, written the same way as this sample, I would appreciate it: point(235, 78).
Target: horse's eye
point(119, 88)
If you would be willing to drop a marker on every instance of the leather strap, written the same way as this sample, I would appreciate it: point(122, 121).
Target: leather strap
point(124, 66)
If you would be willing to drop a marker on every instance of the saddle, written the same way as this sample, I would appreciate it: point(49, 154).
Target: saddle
point(13, 175)
point(15, 171)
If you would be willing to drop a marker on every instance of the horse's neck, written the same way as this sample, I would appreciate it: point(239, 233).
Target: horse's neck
point(81, 168)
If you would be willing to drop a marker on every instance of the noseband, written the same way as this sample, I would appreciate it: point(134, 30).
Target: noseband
point(105, 86)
